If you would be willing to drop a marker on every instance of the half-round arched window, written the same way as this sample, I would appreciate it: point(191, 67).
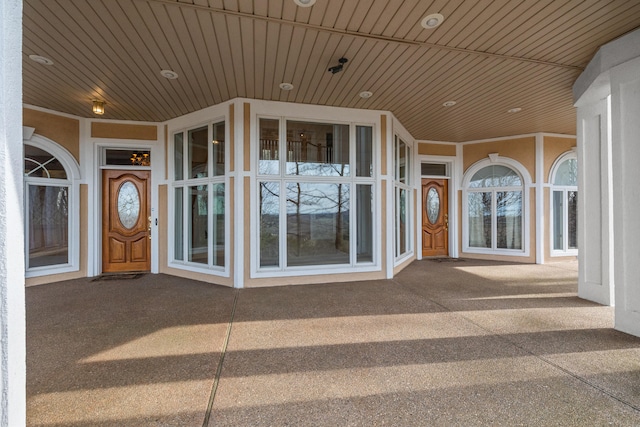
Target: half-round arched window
point(495, 207)
point(50, 215)
point(564, 205)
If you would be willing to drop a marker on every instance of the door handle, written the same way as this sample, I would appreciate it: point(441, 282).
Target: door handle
point(446, 221)
point(149, 228)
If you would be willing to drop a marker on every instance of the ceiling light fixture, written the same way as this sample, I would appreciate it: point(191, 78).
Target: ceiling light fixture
point(449, 104)
point(337, 68)
point(41, 59)
point(514, 110)
point(168, 74)
point(304, 3)
point(366, 94)
point(432, 21)
point(98, 107)
point(286, 86)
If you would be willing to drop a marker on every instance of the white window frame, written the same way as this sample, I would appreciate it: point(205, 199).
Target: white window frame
point(210, 181)
point(73, 184)
point(517, 167)
point(282, 178)
point(397, 187)
point(565, 189)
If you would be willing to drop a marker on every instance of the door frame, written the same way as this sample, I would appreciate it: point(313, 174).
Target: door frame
point(454, 166)
point(97, 159)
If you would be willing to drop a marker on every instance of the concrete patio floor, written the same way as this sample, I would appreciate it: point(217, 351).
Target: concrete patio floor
point(444, 343)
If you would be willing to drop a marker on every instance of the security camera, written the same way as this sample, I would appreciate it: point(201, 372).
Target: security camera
point(337, 68)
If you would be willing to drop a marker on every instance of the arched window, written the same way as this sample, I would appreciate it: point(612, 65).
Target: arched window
point(564, 205)
point(50, 217)
point(495, 208)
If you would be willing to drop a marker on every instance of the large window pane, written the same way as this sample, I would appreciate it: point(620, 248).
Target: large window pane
point(48, 225)
point(198, 234)
point(572, 220)
point(401, 224)
point(317, 224)
point(364, 223)
point(509, 219)
point(198, 152)
point(178, 235)
point(558, 220)
point(479, 207)
point(217, 210)
point(218, 149)
point(268, 163)
point(317, 149)
point(269, 224)
point(364, 151)
point(178, 156)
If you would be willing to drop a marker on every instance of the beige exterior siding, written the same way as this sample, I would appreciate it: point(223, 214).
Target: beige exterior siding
point(63, 130)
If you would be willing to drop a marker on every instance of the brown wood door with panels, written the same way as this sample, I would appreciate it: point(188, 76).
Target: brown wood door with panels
point(126, 221)
point(435, 217)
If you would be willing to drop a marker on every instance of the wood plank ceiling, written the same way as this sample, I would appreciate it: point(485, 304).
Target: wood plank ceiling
point(488, 56)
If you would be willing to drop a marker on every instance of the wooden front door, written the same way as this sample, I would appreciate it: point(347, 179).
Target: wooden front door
point(126, 221)
point(435, 217)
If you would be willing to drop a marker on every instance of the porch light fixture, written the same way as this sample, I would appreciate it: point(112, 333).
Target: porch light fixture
point(98, 107)
point(514, 110)
point(366, 94)
point(168, 74)
point(286, 86)
point(432, 21)
point(304, 3)
point(41, 59)
point(449, 104)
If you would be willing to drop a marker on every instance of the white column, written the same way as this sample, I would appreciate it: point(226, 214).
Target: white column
point(595, 233)
point(539, 185)
point(625, 113)
point(12, 312)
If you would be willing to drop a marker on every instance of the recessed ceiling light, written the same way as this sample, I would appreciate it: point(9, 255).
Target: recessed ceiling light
point(286, 86)
point(449, 104)
point(41, 59)
point(304, 3)
point(514, 110)
point(432, 21)
point(366, 94)
point(168, 74)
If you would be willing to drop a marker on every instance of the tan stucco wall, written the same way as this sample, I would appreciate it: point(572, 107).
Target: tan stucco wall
point(63, 130)
point(554, 147)
point(124, 131)
point(432, 149)
point(521, 149)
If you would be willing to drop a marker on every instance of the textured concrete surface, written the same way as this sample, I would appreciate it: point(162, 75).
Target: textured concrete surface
point(444, 343)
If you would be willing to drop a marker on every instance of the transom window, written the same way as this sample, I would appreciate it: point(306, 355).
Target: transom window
point(495, 207)
point(315, 194)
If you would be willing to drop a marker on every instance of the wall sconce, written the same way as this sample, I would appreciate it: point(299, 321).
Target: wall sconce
point(98, 107)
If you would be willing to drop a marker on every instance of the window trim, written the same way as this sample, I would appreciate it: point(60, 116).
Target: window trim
point(497, 160)
point(566, 251)
point(398, 186)
point(72, 170)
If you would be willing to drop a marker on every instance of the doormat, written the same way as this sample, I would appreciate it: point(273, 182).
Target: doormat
point(122, 276)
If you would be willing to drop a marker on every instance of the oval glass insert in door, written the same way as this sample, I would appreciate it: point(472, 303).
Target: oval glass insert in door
point(433, 205)
point(128, 204)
